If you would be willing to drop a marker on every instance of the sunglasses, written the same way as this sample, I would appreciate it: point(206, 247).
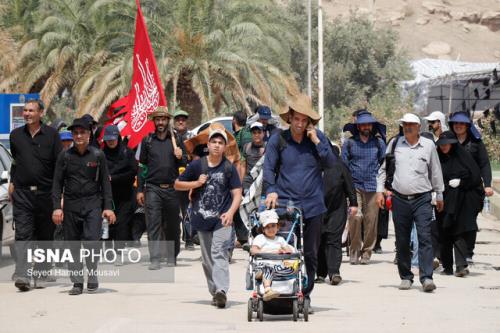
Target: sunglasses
point(431, 121)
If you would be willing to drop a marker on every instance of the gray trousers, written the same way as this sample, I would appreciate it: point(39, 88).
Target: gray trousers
point(215, 246)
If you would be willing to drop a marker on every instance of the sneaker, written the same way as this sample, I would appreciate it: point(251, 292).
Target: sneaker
point(446, 271)
point(319, 279)
point(220, 299)
point(377, 250)
point(428, 285)
point(76, 290)
point(214, 302)
point(189, 246)
point(22, 283)
point(405, 285)
point(462, 271)
point(364, 261)
point(469, 261)
point(335, 279)
point(246, 247)
point(92, 287)
point(270, 294)
point(435, 263)
point(154, 266)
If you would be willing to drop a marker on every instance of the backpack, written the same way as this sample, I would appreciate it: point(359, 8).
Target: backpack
point(97, 153)
point(390, 164)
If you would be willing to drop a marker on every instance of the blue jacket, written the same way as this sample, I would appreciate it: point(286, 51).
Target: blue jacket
point(295, 173)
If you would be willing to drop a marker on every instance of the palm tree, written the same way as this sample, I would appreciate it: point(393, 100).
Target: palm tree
point(211, 54)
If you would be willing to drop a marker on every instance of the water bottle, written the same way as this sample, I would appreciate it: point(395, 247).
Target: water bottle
point(486, 206)
point(262, 204)
point(105, 228)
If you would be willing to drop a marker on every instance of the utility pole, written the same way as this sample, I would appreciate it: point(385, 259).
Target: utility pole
point(320, 67)
point(309, 83)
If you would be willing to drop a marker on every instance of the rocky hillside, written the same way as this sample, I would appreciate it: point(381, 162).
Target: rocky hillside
point(468, 30)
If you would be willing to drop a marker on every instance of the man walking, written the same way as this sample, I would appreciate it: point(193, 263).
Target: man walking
point(216, 198)
point(252, 153)
point(181, 129)
point(82, 175)
point(363, 153)
point(161, 155)
point(417, 173)
point(293, 164)
point(34, 148)
point(437, 124)
point(265, 115)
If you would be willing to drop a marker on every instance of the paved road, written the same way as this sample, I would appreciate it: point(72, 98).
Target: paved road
point(367, 300)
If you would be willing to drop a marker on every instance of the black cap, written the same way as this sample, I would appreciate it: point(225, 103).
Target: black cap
point(87, 117)
point(447, 137)
point(80, 122)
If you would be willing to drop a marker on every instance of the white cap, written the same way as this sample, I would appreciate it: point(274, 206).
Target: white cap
point(256, 125)
point(410, 118)
point(436, 115)
point(217, 131)
point(268, 216)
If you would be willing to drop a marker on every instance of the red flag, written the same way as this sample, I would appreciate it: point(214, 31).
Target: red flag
point(146, 93)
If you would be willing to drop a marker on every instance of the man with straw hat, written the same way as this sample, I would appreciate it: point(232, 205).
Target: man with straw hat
point(293, 167)
point(160, 158)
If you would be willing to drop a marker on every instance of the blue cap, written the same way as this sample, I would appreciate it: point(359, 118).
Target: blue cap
point(66, 136)
point(111, 133)
point(264, 112)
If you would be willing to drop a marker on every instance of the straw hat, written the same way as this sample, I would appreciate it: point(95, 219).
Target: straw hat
point(300, 103)
point(232, 152)
point(161, 111)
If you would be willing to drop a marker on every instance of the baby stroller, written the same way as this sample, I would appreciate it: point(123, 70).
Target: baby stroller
point(291, 299)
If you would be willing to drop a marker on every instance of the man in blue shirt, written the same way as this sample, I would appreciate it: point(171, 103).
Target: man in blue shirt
point(363, 153)
point(216, 198)
point(293, 167)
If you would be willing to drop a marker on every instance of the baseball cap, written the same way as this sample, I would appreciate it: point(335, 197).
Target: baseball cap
point(436, 115)
point(410, 118)
point(257, 125)
point(264, 112)
point(217, 131)
point(65, 135)
point(111, 133)
point(268, 216)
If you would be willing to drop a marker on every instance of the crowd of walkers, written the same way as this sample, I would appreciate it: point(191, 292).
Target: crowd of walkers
point(179, 185)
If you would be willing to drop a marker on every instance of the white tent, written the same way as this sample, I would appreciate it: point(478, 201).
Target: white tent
point(445, 78)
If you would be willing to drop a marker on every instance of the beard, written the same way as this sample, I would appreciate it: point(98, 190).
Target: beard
point(365, 132)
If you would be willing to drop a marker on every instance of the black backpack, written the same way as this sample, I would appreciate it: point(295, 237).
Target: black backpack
point(390, 164)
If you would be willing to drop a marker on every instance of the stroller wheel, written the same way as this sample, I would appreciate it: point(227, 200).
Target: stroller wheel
point(250, 309)
point(260, 310)
point(295, 309)
point(305, 309)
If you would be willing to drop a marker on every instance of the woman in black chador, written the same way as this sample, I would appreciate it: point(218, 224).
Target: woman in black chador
point(462, 202)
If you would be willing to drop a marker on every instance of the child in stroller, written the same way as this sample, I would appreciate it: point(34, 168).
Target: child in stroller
point(269, 242)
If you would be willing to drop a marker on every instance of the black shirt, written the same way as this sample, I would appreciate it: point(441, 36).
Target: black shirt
point(34, 158)
point(84, 180)
point(157, 156)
